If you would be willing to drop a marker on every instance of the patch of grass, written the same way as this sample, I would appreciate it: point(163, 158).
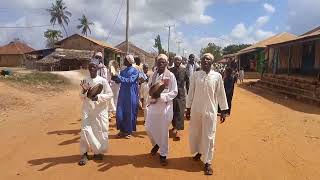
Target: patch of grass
point(36, 78)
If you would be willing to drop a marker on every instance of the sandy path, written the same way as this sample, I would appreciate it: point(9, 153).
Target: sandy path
point(263, 139)
point(74, 76)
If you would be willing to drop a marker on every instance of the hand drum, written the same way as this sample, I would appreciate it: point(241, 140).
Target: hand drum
point(156, 89)
point(95, 90)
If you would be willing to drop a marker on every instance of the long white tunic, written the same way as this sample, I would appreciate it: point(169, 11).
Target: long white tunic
point(206, 91)
point(144, 93)
point(160, 114)
point(95, 124)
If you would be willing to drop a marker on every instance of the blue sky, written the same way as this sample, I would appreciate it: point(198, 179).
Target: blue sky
point(198, 22)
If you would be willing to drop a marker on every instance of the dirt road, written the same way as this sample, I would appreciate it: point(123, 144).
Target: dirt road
point(265, 138)
point(74, 76)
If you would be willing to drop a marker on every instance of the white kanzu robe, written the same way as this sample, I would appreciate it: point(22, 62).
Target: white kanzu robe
point(160, 114)
point(206, 91)
point(144, 93)
point(95, 123)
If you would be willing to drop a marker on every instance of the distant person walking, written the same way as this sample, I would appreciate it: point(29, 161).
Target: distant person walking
point(102, 69)
point(192, 66)
point(113, 69)
point(241, 75)
point(229, 81)
point(144, 90)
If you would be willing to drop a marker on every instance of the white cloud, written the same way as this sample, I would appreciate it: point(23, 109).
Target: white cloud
point(261, 34)
point(288, 28)
point(99, 30)
point(147, 19)
point(303, 15)
point(292, 13)
point(239, 1)
point(251, 34)
point(221, 41)
point(239, 31)
point(262, 20)
point(269, 8)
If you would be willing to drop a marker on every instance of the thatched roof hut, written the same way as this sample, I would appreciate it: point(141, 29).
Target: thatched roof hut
point(65, 59)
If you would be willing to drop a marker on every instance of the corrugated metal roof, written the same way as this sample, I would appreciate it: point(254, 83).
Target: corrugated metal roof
point(100, 43)
point(313, 33)
point(131, 45)
point(282, 37)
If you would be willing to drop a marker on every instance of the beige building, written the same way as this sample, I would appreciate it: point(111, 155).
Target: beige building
point(146, 58)
point(79, 42)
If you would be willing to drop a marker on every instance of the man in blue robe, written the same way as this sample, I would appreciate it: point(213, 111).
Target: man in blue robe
point(127, 107)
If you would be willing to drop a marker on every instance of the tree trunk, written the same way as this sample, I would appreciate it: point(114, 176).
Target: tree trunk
point(64, 28)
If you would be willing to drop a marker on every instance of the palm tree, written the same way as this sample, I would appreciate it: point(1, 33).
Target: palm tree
point(85, 25)
point(59, 13)
point(52, 37)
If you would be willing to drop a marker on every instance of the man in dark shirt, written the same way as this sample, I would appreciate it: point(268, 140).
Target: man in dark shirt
point(179, 103)
point(229, 87)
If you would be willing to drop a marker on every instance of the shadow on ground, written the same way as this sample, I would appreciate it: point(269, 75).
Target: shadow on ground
point(74, 132)
point(64, 132)
point(279, 98)
point(110, 161)
point(138, 134)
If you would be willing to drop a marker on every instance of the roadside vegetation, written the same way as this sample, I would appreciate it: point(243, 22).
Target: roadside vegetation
point(39, 80)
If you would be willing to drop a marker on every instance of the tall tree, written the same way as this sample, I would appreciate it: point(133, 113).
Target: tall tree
point(60, 14)
point(233, 48)
point(215, 50)
point(52, 37)
point(157, 44)
point(84, 25)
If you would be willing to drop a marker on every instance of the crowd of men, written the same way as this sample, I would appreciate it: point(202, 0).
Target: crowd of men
point(193, 91)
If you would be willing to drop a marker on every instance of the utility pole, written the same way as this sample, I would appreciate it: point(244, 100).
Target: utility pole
point(169, 26)
point(127, 28)
point(179, 42)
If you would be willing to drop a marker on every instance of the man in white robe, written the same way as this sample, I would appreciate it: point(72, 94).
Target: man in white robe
point(114, 69)
point(206, 92)
point(160, 111)
point(144, 91)
point(102, 69)
point(95, 124)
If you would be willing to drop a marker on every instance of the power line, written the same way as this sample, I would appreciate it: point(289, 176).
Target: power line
point(32, 26)
point(115, 21)
point(200, 30)
point(7, 8)
point(23, 27)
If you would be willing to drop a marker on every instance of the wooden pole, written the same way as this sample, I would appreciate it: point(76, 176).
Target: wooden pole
point(289, 60)
point(169, 42)
point(169, 26)
point(127, 29)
